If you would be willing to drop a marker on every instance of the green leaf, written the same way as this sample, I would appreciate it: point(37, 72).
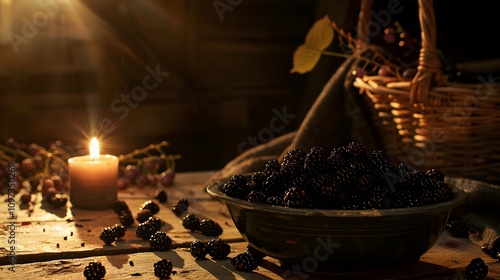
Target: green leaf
point(304, 59)
point(320, 36)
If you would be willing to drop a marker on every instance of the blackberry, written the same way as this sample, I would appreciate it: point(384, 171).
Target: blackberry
point(120, 206)
point(209, 227)
point(160, 241)
point(163, 268)
point(294, 155)
point(236, 190)
point(152, 206)
point(191, 222)
point(289, 171)
point(275, 200)
point(435, 175)
point(180, 206)
point(356, 150)
point(156, 222)
point(108, 235)
point(296, 197)
point(256, 196)
point(335, 161)
point(258, 178)
point(255, 253)
point(198, 249)
point(273, 185)
point(126, 218)
point(476, 269)
point(119, 230)
point(272, 166)
point(143, 215)
point(94, 271)
point(245, 262)
point(316, 161)
point(457, 229)
point(161, 196)
point(145, 230)
point(493, 249)
point(218, 249)
point(239, 179)
point(442, 193)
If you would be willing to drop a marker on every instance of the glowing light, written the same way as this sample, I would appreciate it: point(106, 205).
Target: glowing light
point(94, 148)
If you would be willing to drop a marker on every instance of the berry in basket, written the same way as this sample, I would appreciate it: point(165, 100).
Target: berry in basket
point(348, 177)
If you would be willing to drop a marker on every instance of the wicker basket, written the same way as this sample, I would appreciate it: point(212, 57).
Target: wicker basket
point(428, 122)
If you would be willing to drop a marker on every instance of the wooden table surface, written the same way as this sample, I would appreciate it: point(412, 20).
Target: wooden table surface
point(38, 255)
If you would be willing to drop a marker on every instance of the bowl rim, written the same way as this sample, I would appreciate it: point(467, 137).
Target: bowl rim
point(214, 190)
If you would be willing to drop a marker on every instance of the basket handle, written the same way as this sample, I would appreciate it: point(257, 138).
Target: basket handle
point(429, 63)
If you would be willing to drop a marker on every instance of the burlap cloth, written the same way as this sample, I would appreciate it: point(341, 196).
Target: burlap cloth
point(336, 118)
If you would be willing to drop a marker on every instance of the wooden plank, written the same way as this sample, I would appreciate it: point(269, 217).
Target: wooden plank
point(119, 267)
point(37, 234)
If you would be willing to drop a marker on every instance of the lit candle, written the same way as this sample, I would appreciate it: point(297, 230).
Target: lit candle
point(93, 179)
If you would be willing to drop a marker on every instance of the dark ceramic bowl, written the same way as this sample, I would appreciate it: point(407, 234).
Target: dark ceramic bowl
point(357, 239)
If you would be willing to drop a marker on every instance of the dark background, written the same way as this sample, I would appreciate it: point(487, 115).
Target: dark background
point(225, 76)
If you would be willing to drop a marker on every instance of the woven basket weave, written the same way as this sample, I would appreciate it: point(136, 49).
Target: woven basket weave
point(429, 122)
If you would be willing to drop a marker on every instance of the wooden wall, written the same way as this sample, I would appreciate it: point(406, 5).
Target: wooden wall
point(226, 78)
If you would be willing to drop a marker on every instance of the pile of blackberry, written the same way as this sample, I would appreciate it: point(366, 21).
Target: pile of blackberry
point(347, 178)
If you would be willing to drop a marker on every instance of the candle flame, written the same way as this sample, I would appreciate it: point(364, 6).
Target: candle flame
point(94, 148)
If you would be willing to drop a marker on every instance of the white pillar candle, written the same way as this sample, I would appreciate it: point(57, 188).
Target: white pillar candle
point(93, 179)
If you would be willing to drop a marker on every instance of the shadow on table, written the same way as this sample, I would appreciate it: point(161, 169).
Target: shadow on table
point(404, 271)
point(223, 269)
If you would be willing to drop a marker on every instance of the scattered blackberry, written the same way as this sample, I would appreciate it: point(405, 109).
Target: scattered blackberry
point(160, 241)
point(191, 222)
point(161, 196)
point(457, 229)
point(209, 227)
point(163, 269)
point(152, 206)
point(94, 271)
point(126, 218)
point(245, 262)
point(119, 230)
point(255, 253)
point(180, 206)
point(120, 206)
point(476, 269)
point(108, 235)
point(198, 249)
point(218, 249)
point(493, 249)
point(156, 222)
point(145, 230)
point(143, 215)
